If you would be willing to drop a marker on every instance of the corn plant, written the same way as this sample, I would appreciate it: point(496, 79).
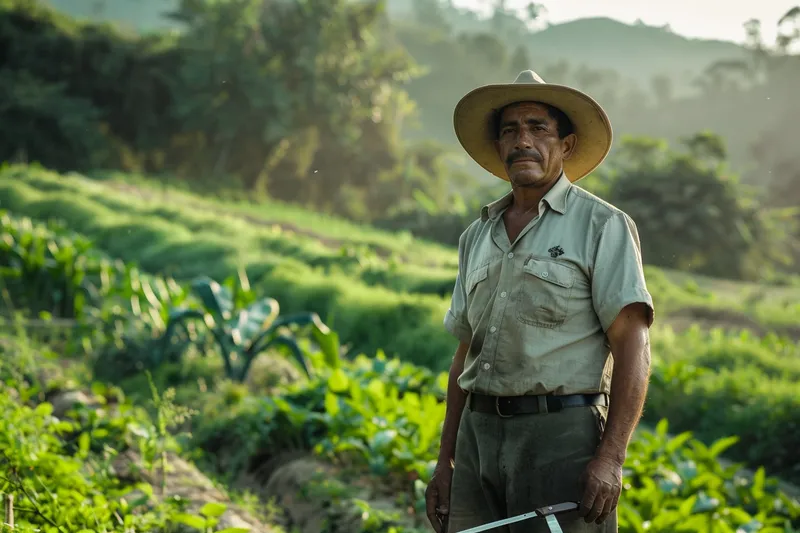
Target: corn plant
point(244, 325)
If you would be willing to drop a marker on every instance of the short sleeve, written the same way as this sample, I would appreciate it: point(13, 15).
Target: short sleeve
point(618, 275)
point(455, 320)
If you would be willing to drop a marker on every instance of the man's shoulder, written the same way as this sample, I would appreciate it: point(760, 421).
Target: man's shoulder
point(473, 228)
point(601, 210)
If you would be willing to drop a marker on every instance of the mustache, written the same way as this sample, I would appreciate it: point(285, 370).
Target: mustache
point(523, 154)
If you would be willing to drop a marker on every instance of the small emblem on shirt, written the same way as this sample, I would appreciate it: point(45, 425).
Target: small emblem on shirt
point(555, 251)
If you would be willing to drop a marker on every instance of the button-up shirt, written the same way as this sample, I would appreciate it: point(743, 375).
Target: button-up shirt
point(535, 311)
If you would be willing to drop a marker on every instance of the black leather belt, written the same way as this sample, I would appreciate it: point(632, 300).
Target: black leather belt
point(507, 406)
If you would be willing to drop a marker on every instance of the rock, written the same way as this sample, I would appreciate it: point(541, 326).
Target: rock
point(314, 500)
point(287, 488)
point(187, 482)
point(64, 401)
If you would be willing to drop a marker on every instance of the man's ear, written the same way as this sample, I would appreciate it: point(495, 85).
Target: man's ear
point(568, 145)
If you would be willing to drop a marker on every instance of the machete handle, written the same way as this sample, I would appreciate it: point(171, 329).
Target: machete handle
point(557, 508)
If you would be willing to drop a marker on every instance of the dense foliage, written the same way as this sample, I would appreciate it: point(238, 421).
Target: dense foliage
point(379, 414)
point(375, 293)
point(710, 383)
point(286, 98)
point(693, 215)
point(361, 413)
point(60, 464)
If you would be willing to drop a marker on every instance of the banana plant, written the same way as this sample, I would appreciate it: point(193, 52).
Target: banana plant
point(244, 326)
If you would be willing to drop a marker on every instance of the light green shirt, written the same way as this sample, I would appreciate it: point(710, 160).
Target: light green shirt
point(535, 311)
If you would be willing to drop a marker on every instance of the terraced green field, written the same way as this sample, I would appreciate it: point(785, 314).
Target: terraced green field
point(382, 292)
point(333, 267)
point(393, 299)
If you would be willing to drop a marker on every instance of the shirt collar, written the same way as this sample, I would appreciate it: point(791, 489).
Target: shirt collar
point(556, 199)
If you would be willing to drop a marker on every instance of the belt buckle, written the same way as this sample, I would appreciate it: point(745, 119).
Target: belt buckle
point(497, 408)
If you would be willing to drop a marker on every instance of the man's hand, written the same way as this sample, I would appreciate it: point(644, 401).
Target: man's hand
point(602, 484)
point(437, 497)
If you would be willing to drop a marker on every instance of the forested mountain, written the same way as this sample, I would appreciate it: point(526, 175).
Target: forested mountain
point(652, 81)
point(333, 106)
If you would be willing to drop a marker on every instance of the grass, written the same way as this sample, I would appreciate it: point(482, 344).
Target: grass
point(181, 234)
point(712, 383)
point(363, 414)
point(269, 212)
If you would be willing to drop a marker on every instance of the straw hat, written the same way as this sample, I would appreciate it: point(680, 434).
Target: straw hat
point(474, 119)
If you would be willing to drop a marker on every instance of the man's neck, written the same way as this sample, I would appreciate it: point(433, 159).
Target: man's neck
point(526, 199)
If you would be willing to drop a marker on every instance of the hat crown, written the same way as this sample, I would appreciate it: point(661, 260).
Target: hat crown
point(529, 76)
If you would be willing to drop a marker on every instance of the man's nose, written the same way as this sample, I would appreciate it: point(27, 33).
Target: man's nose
point(524, 140)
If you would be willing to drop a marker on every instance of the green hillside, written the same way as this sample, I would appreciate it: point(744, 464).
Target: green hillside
point(379, 292)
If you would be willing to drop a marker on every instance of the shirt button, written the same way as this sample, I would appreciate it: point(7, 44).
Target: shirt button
point(492, 329)
point(510, 255)
point(503, 294)
point(486, 366)
point(544, 274)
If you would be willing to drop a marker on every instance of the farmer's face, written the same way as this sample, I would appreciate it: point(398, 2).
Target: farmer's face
point(529, 145)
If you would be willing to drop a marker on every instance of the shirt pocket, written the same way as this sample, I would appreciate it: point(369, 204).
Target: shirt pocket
point(545, 289)
point(476, 294)
point(475, 277)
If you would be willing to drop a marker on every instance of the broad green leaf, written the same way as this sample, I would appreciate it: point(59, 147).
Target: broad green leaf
point(83, 443)
point(687, 506)
point(329, 346)
point(44, 409)
point(215, 298)
point(705, 504)
point(182, 313)
point(338, 381)
point(331, 404)
point(252, 324)
point(723, 444)
point(678, 441)
point(759, 480)
point(213, 509)
point(191, 521)
point(294, 350)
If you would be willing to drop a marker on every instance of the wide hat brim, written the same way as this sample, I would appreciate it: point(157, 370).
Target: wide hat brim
point(475, 114)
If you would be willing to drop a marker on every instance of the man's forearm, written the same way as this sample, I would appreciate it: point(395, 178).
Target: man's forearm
point(628, 393)
point(456, 399)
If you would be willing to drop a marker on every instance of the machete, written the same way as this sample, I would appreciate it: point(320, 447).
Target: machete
point(548, 513)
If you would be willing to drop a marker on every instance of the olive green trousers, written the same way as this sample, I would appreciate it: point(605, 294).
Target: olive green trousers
point(510, 466)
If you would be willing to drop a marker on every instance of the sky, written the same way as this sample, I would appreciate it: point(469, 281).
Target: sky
point(692, 18)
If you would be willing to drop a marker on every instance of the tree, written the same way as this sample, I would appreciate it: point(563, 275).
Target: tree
point(691, 215)
point(429, 13)
point(706, 147)
point(662, 88)
point(520, 60)
point(788, 29)
point(299, 99)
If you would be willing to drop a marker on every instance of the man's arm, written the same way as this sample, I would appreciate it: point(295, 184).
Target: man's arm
point(437, 495)
point(630, 345)
point(456, 399)
point(625, 310)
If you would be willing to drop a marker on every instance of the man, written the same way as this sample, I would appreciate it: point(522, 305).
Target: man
point(550, 284)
